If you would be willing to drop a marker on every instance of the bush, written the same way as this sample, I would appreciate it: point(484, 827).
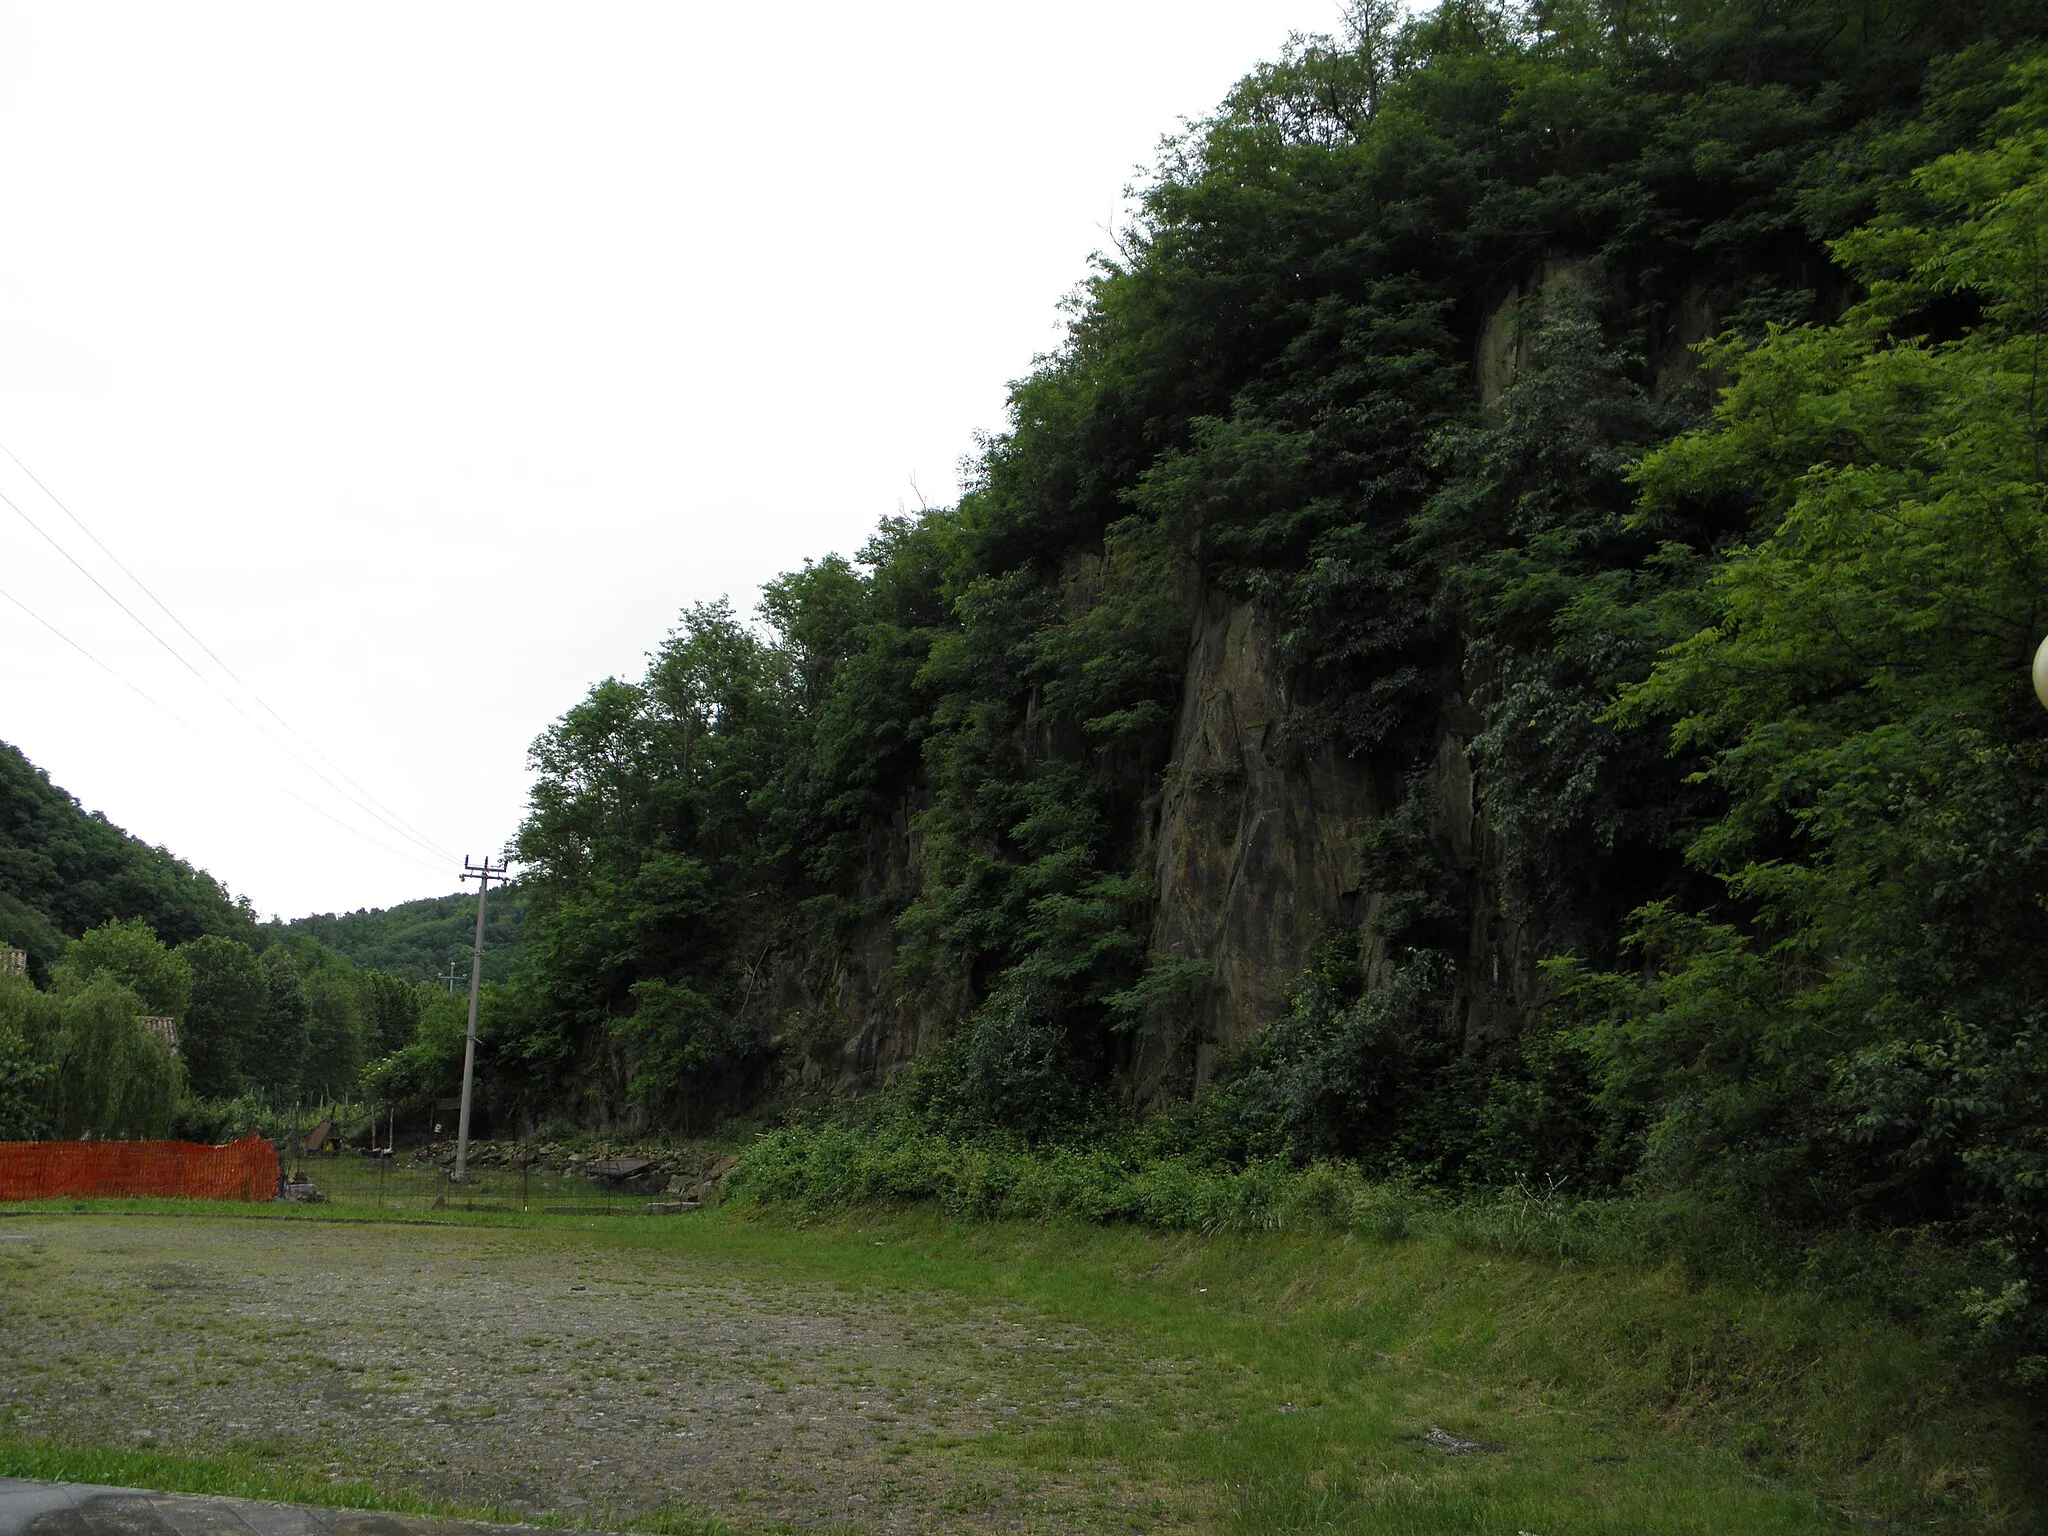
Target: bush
point(1010, 1070)
point(214, 1121)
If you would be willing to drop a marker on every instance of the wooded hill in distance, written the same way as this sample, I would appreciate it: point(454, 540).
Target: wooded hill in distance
point(266, 1015)
point(64, 870)
point(418, 939)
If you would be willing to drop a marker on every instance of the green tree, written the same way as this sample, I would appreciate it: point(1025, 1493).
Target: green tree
point(27, 1024)
point(1857, 1034)
point(650, 832)
point(22, 1078)
point(429, 1065)
point(334, 1034)
point(223, 1026)
point(129, 952)
point(95, 1071)
point(113, 1077)
point(279, 1049)
point(390, 1008)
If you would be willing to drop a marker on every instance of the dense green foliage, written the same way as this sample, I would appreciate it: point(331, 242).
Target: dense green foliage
point(77, 1063)
point(1857, 1032)
point(417, 940)
point(24, 1079)
point(1744, 635)
point(221, 1027)
point(63, 871)
point(254, 1031)
point(266, 1016)
point(131, 954)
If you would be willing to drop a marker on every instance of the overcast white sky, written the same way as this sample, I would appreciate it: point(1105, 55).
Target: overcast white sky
point(426, 360)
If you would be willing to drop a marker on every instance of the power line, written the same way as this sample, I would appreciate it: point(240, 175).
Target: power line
point(359, 832)
point(189, 726)
point(41, 533)
point(118, 563)
point(403, 831)
point(88, 655)
point(397, 822)
point(214, 656)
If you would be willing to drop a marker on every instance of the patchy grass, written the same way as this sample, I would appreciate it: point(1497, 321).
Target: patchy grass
point(964, 1375)
point(1621, 1399)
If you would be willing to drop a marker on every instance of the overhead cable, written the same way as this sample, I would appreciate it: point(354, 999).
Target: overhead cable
point(88, 655)
point(214, 656)
point(359, 832)
point(43, 534)
point(389, 821)
point(189, 726)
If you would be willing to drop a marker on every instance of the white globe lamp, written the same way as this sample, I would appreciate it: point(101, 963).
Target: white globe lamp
point(2041, 673)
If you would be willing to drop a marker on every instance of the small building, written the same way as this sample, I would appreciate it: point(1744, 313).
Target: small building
point(164, 1029)
point(13, 962)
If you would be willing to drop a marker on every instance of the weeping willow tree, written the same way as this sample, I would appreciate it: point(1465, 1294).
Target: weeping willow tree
point(81, 1064)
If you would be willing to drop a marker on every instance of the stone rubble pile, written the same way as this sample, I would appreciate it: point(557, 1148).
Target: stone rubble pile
point(682, 1173)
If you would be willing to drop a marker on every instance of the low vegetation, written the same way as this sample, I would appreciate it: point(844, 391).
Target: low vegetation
point(1041, 1375)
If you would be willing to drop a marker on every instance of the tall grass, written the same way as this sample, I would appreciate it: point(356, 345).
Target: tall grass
point(830, 1167)
point(1842, 1363)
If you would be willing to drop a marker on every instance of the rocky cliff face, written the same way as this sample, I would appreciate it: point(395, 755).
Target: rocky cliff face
point(841, 1022)
point(1256, 849)
point(1254, 841)
point(1259, 864)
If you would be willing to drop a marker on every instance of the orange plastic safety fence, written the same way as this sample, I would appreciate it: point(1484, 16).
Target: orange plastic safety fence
point(47, 1170)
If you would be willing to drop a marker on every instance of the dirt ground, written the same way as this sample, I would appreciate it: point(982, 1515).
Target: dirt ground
point(551, 1372)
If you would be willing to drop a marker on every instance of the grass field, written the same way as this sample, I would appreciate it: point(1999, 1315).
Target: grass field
point(904, 1373)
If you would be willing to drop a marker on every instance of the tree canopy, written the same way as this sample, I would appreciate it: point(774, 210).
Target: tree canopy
point(63, 870)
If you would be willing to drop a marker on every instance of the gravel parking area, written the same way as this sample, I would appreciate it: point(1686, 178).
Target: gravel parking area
point(572, 1374)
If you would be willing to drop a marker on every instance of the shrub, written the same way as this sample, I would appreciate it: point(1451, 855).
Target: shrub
point(1009, 1070)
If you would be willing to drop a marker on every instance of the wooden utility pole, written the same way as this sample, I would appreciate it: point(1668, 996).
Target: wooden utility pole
point(483, 874)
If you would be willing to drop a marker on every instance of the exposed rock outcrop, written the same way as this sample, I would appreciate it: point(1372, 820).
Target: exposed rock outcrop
point(1254, 839)
point(843, 1021)
point(1256, 853)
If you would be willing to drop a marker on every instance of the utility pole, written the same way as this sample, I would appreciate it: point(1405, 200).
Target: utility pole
point(483, 874)
point(450, 977)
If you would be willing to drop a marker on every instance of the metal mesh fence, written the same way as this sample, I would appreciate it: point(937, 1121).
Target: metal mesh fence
point(50, 1170)
point(398, 1184)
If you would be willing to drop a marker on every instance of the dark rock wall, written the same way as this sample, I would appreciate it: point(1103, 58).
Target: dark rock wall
point(1255, 847)
point(840, 1018)
point(1256, 850)
point(1254, 840)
